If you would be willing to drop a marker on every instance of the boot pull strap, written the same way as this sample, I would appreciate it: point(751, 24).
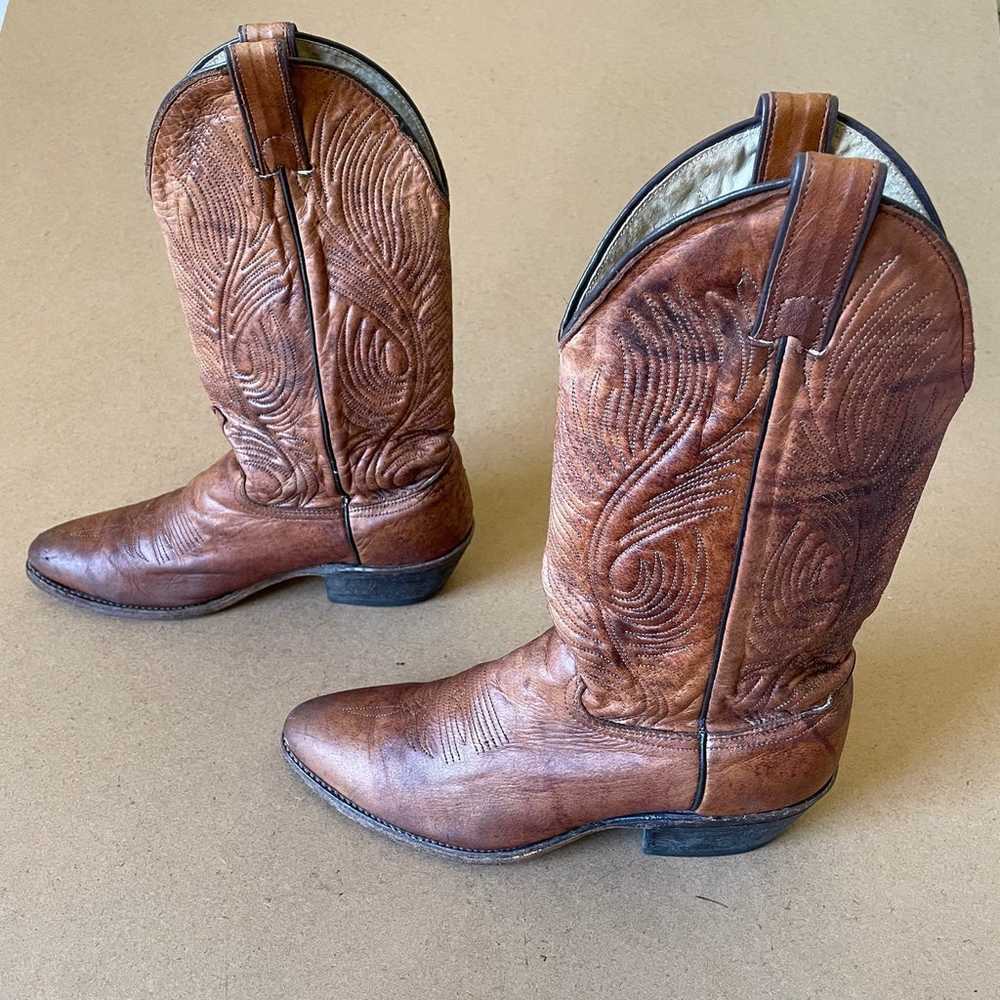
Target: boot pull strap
point(259, 69)
point(792, 124)
point(260, 30)
point(831, 206)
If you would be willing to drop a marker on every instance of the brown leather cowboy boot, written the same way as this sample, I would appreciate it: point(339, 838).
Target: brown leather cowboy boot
point(756, 373)
point(305, 212)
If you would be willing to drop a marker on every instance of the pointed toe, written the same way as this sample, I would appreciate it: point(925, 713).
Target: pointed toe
point(56, 557)
point(352, 747)
point(307, 735)
point(327, 741)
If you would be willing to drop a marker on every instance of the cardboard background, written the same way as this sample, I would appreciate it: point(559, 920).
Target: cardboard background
point(152, 842)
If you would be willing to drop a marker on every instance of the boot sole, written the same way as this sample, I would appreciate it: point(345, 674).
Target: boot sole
point(669, 834)
point(372, 586)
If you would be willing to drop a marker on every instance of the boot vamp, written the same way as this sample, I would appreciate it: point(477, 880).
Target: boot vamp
point(499, 756)
point(185, 547)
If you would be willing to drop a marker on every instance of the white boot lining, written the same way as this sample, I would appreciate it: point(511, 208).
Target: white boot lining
point(721, 169)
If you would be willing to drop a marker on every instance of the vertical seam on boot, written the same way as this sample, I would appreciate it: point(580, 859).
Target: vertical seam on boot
point(731, 592)
point(293, 223)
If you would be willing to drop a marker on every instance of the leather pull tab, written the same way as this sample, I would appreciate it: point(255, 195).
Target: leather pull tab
point(270, 29)
point(831, 206)
point(792, 124)
point(259, 68)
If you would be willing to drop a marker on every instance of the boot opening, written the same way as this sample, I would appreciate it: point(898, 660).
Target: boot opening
point(313, 49)
point(721, 167)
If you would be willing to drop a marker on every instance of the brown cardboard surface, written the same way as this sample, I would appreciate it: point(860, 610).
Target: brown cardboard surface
point(152, 843)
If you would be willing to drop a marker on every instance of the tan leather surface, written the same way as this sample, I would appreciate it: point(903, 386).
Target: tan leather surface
point(260, 30)
point(434, 517)
point(230, 244)
point(318, 302)
point(661, 397)
point(498, 756)
point(856, 432)
point(792, 124)
point(503, 755)
point(186, 547)
point(770, 766)
point(729, 494)
point(835, 200)
point(261, 79)
point(375, 230)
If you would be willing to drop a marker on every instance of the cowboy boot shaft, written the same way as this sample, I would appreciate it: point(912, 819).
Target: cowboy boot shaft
point(308, 237)
point(745, 422)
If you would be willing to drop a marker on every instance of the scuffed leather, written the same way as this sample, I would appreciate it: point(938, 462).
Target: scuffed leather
point(354, 424)
point(497, 756)
point(504, 755)
point(723, 495)
point(778, 763)
point(792, 124)
point(433, 516)
point(187, 546)
point(662, 391)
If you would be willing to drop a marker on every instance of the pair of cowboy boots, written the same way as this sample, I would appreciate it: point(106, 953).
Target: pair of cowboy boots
point(756, 371)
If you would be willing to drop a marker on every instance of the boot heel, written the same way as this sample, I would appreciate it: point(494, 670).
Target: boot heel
point(388, 586)
point(712, 837)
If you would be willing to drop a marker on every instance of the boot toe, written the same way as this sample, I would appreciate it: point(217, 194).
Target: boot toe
point(57, 555)
point(348, 744)
point(308, 735)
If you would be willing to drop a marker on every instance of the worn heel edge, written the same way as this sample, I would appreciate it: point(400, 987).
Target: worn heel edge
point(693, 836)
point(391, 586)
point(712, 840)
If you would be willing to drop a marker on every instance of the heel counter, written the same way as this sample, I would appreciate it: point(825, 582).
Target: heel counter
point(778, 766)
point(418, 524)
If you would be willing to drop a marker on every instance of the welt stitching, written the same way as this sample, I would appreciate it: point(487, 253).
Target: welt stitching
point(381, 822)
point(70, 592)
point(406, 834)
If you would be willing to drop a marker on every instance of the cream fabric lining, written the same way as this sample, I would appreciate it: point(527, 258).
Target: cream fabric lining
point(721, 169)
